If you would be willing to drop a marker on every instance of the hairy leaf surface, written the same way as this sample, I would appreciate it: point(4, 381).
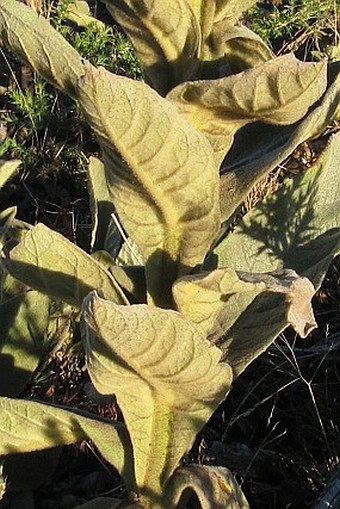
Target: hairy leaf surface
point(48, 262)
point(49, 426)
point(8, 170)
point(165, 36)
point(32, 38)
point(279, 91)
point(24, 320)
point(166, 376)
point(166, 190)
point(204, 298)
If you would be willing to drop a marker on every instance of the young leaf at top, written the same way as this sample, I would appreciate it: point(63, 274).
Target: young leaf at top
point(165, 36)
point(279, 91)
point(204, 298)
point(166, 376)
point(166, 190)
point(48, 262)
point(49, 426)
point(232, 49)
point(32, 38)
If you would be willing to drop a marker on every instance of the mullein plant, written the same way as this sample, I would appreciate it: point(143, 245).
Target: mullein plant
point(168, 334)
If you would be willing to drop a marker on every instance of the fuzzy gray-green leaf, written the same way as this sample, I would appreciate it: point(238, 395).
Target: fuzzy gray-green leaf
point(268, 146)
point(297, 227)
point(161, 175)
point(32, 38)
point(48, 262)
point(49, 426)
point(279, 91)
point(166, 377)
point(207, 298)
point(8, 170)
point(165, 36)
point(24, 319)
point(215, 487)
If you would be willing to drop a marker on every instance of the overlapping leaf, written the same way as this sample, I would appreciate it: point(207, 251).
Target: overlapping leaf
point(279, 91)
point(205, 298)
point(166, 189)
point(165, 36)
point(129, 277)
point(32, 38)
point(49, 426)
point(267, 146)
point(48, 262)
point(166, 377)
point(101, 205)
point(24, 319)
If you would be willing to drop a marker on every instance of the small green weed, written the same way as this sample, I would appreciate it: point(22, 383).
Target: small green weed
point(288, 26)
point(31, 104)
point(101, 45)
point(37, 116)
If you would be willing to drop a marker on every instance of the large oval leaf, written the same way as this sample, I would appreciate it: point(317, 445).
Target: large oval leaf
point(279, 91)
point(165, 35)
point(166, 191)
point(267, 146)
point(166, 376)
point(32, 37)
point(48, 262)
